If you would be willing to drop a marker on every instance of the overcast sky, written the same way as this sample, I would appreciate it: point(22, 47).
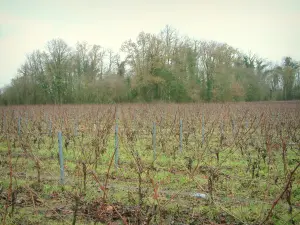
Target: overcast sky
point(270, 28)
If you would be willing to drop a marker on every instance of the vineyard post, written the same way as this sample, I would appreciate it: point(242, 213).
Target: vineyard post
point(154, 140)
point(4, 122)
point(31, 115)
point(75, 128)
point(50, 127)
point(61, 159)
point(278, 119)
point(233, 125)
point(61, 123)
point(180, 135)
point(135, 118)
point(221, 126)
point(26, 118)
point(116, 146)
point(47, 118)
point(203, 128)
point(19, 126)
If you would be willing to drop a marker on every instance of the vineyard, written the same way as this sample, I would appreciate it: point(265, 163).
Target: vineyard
point(233, 163)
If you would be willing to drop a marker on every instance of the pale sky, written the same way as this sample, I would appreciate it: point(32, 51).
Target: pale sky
point(269, 28)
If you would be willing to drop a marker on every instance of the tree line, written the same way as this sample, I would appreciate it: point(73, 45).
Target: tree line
point(156, 67)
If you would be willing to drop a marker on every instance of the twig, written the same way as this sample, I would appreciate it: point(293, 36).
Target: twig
point(282, 193)
point(32, 198)
point(107, 177)
point(122, 218)
point(104, 188)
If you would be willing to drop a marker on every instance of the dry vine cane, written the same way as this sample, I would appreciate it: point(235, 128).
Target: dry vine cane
point(286, 188)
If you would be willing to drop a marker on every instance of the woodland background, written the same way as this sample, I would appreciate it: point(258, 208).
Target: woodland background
point(164, 67)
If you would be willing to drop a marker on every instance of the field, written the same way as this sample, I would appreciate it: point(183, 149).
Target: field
point(233, 163)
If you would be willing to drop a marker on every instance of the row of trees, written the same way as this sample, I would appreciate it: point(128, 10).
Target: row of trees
point(156, 67)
